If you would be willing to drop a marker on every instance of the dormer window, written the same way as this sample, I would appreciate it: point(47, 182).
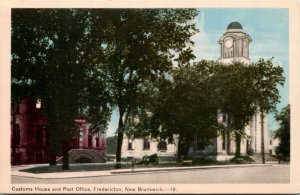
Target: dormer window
point(38, 104)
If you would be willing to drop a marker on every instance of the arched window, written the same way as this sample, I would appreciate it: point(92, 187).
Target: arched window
point(97, 142)
point(146, 144)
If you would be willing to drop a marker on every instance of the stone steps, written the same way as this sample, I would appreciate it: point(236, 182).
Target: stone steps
point(83, 156)
point(258, 157)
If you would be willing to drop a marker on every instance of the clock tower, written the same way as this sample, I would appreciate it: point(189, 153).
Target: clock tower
point(234, 44)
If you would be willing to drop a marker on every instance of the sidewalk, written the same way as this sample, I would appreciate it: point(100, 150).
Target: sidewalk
point(79, 174)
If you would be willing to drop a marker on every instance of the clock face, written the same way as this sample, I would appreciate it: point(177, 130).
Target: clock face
point(228, 43)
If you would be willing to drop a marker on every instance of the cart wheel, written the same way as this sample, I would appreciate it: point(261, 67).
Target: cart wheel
point(146, 163)
point(146, 160)
point(156, 161)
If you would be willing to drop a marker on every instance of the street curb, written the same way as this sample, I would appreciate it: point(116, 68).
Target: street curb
point(81, 174)
point(186, 168)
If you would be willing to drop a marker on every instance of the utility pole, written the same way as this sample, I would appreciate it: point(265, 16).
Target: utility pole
point(262, 136)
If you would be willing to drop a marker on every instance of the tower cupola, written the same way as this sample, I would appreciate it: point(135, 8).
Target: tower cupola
point(234, 44)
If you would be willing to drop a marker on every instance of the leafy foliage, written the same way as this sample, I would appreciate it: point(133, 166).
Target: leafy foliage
point(85, 62)
point(245, 90)
point(188, 100)
point(182, 104)
point(265, 81)
point(139, 50)
point(51, 48)
point(283, 132)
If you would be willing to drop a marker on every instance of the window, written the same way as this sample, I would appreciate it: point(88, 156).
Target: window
point(162, 145)
point(97, 142)
point(146, 144)
point(130, 144)
point(38, 104)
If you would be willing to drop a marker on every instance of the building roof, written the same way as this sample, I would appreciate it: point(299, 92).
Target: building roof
point(234, 25)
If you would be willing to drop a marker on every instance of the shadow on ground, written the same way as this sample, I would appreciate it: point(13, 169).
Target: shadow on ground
point(111, 166)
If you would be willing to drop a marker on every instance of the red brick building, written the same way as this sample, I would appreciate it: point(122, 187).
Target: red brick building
point(30, 138)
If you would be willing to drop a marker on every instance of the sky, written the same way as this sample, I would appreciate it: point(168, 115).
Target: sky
point(269, 30)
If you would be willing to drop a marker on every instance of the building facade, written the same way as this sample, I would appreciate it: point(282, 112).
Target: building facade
point(30, 137)
point(234, 46)
point(138, 147)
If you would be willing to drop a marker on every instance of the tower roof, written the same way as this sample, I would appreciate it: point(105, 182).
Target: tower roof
point(234, 25)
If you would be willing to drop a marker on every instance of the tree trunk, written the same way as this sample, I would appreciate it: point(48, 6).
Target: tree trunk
point(53, 149)
point(238, 145)
point(194, 144)
point(228, 135)
point(119, 140)
point(228, 142)
point(186, 148)
point(179, 152)
point(54, 145)
point(65, 158)
point(119, 149)
point(262, 136)
point(52, 160)
point(14, 134)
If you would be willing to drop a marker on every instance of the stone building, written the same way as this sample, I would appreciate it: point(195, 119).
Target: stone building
point(30, 137)
point(234, 46)
point(138, 147)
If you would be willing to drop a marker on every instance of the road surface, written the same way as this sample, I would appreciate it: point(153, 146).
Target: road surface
point(277, 173)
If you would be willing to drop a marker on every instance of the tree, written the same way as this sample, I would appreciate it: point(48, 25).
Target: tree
point(55, 50)
point(236, 98)
point(116, 51)
point(140, 49)
point(183, 105)
point(266, 78)
point(246, 89)
point(283, 132)
point(188, 106)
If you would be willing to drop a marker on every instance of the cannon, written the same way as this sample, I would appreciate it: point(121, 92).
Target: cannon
point(149, 159)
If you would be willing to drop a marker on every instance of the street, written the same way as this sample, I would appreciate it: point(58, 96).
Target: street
point(276, 173)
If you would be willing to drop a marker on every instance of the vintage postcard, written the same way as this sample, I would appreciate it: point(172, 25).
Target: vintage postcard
point(149, 97)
